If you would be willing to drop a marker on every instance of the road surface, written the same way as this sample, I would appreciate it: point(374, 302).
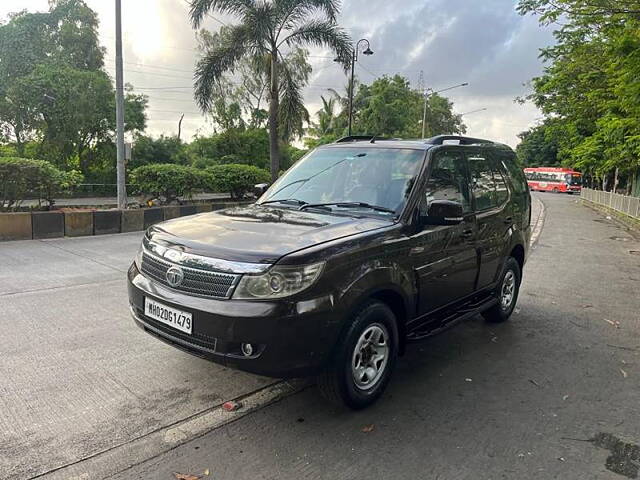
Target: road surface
point(84, 394)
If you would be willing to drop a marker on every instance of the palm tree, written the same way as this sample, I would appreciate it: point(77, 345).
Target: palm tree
point(264, 30)
point(326, 117)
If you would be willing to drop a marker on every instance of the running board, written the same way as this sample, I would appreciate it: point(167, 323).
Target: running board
point(467, 311)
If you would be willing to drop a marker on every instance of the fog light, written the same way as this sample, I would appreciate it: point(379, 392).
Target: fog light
point(247, 349)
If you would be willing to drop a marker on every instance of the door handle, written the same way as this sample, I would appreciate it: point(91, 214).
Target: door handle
point(508, 221)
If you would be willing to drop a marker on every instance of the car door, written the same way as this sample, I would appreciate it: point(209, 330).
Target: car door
point(493, 217)
point(444, 257)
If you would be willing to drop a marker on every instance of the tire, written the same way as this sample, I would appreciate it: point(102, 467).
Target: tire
point(338, 384)
point(510, 279)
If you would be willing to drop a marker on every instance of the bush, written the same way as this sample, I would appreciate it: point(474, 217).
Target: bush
point(22, 177)
point(236, 179)
point(167, 182)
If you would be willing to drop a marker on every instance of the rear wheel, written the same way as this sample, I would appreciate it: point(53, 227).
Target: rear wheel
point(364, 359)
point(507, 293)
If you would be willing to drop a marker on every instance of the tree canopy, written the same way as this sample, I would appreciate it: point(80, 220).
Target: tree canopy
point(53, 89)
point(387, 107)
point(590, 87)
point(264, 33)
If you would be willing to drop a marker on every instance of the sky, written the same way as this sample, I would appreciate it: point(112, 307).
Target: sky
point(482, 42)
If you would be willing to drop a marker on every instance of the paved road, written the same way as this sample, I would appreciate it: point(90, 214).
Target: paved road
point(77, 379)
point(513, 401)
point(76, 376)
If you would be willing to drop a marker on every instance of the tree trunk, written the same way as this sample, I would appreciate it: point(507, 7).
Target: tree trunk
point(19, 142)
point(615, 181)
point(274, 106)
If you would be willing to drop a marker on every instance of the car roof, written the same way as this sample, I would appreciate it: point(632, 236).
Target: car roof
point(417, 144)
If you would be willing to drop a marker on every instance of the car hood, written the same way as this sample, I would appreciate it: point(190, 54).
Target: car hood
point(258, 234)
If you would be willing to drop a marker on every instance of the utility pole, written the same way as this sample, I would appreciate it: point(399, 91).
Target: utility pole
point(426, 98)
point(120, 165)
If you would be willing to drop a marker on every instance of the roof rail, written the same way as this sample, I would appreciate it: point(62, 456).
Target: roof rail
point(440, 139)
point(359, 138)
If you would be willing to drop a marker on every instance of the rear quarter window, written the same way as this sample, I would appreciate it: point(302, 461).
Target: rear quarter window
point(516, 173)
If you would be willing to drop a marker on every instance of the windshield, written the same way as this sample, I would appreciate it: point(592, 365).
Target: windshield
point(573, 179)
point(380, 177)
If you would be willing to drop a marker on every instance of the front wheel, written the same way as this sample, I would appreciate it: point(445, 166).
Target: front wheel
point(364, 359)
point(507, 293)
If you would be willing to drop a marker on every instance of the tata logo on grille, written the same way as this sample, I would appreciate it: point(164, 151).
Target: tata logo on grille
point(175, 276)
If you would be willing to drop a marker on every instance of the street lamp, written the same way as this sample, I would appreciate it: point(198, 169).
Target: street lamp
point(472, 111)
point(426, 97)
point(354, 59)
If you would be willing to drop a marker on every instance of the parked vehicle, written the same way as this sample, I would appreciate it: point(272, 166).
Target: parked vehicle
point(552, 179)
point(358, 249)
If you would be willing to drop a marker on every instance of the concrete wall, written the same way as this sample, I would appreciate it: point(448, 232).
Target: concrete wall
point(36, 225)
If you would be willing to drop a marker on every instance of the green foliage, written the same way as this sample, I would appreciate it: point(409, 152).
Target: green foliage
point(590, 87)
point(167, 182)
point(147, 150)
point(267, 30)
point(538, 148)
point(20, 177)
point(250, 146)
point(388, 107)
point(238, 180)
point(53, 90)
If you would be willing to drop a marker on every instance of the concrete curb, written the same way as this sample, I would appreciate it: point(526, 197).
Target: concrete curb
point(537, 224)
point(127, 455)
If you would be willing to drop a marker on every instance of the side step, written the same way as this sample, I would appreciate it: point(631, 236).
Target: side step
point(463, 313)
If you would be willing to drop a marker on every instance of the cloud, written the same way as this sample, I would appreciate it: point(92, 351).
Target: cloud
point(485, 43)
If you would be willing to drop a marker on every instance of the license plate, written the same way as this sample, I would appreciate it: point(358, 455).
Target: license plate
point(170, 316)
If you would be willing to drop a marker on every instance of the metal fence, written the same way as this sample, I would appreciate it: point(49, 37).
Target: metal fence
point(620, 203)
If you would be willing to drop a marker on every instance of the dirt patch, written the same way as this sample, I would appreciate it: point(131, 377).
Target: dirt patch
point(624, 458)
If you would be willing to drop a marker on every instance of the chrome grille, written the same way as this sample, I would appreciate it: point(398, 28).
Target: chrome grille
point(196, 282)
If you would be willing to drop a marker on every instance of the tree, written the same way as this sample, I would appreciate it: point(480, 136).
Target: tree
point(53, 90)
point(589, 87)
point(265, 28)
point(148, 150)
point(537, 148)
point(388, 107)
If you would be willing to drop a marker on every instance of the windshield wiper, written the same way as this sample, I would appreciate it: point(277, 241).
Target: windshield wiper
point(293, 201)
point(377, 208)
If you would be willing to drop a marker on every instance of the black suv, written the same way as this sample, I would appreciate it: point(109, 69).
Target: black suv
point(361, 247)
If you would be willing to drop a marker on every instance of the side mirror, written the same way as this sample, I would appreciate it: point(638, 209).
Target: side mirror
point(443, 212)
point(260, 188)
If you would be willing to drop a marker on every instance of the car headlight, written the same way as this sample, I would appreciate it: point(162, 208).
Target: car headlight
point(278, 282)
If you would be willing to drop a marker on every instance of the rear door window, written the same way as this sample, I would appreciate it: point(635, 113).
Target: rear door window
point(483, 184)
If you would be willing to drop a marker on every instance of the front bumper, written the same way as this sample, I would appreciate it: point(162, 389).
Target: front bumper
point(293, 339)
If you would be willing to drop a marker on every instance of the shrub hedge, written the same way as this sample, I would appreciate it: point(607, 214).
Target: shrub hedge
point(22, 177)
point(235, 179)
point(166, 182)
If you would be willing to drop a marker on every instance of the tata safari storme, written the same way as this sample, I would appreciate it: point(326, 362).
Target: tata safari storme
point(361, 247)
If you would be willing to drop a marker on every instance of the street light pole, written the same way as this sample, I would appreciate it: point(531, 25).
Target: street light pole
point(426, 97)
point(354, 59)
point(472, 111)
point(120, 166)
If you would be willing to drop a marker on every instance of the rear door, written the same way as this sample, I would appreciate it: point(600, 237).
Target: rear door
point(493, 216)
point(445, 257)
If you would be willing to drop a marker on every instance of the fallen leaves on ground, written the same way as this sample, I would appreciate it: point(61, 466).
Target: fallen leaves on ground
point(368, 428)
point(185, 476)
point(612, 322)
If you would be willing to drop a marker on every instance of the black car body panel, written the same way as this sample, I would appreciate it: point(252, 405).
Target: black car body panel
point(429, 275)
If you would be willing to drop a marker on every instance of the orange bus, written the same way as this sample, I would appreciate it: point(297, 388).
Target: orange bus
point(553, 179)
